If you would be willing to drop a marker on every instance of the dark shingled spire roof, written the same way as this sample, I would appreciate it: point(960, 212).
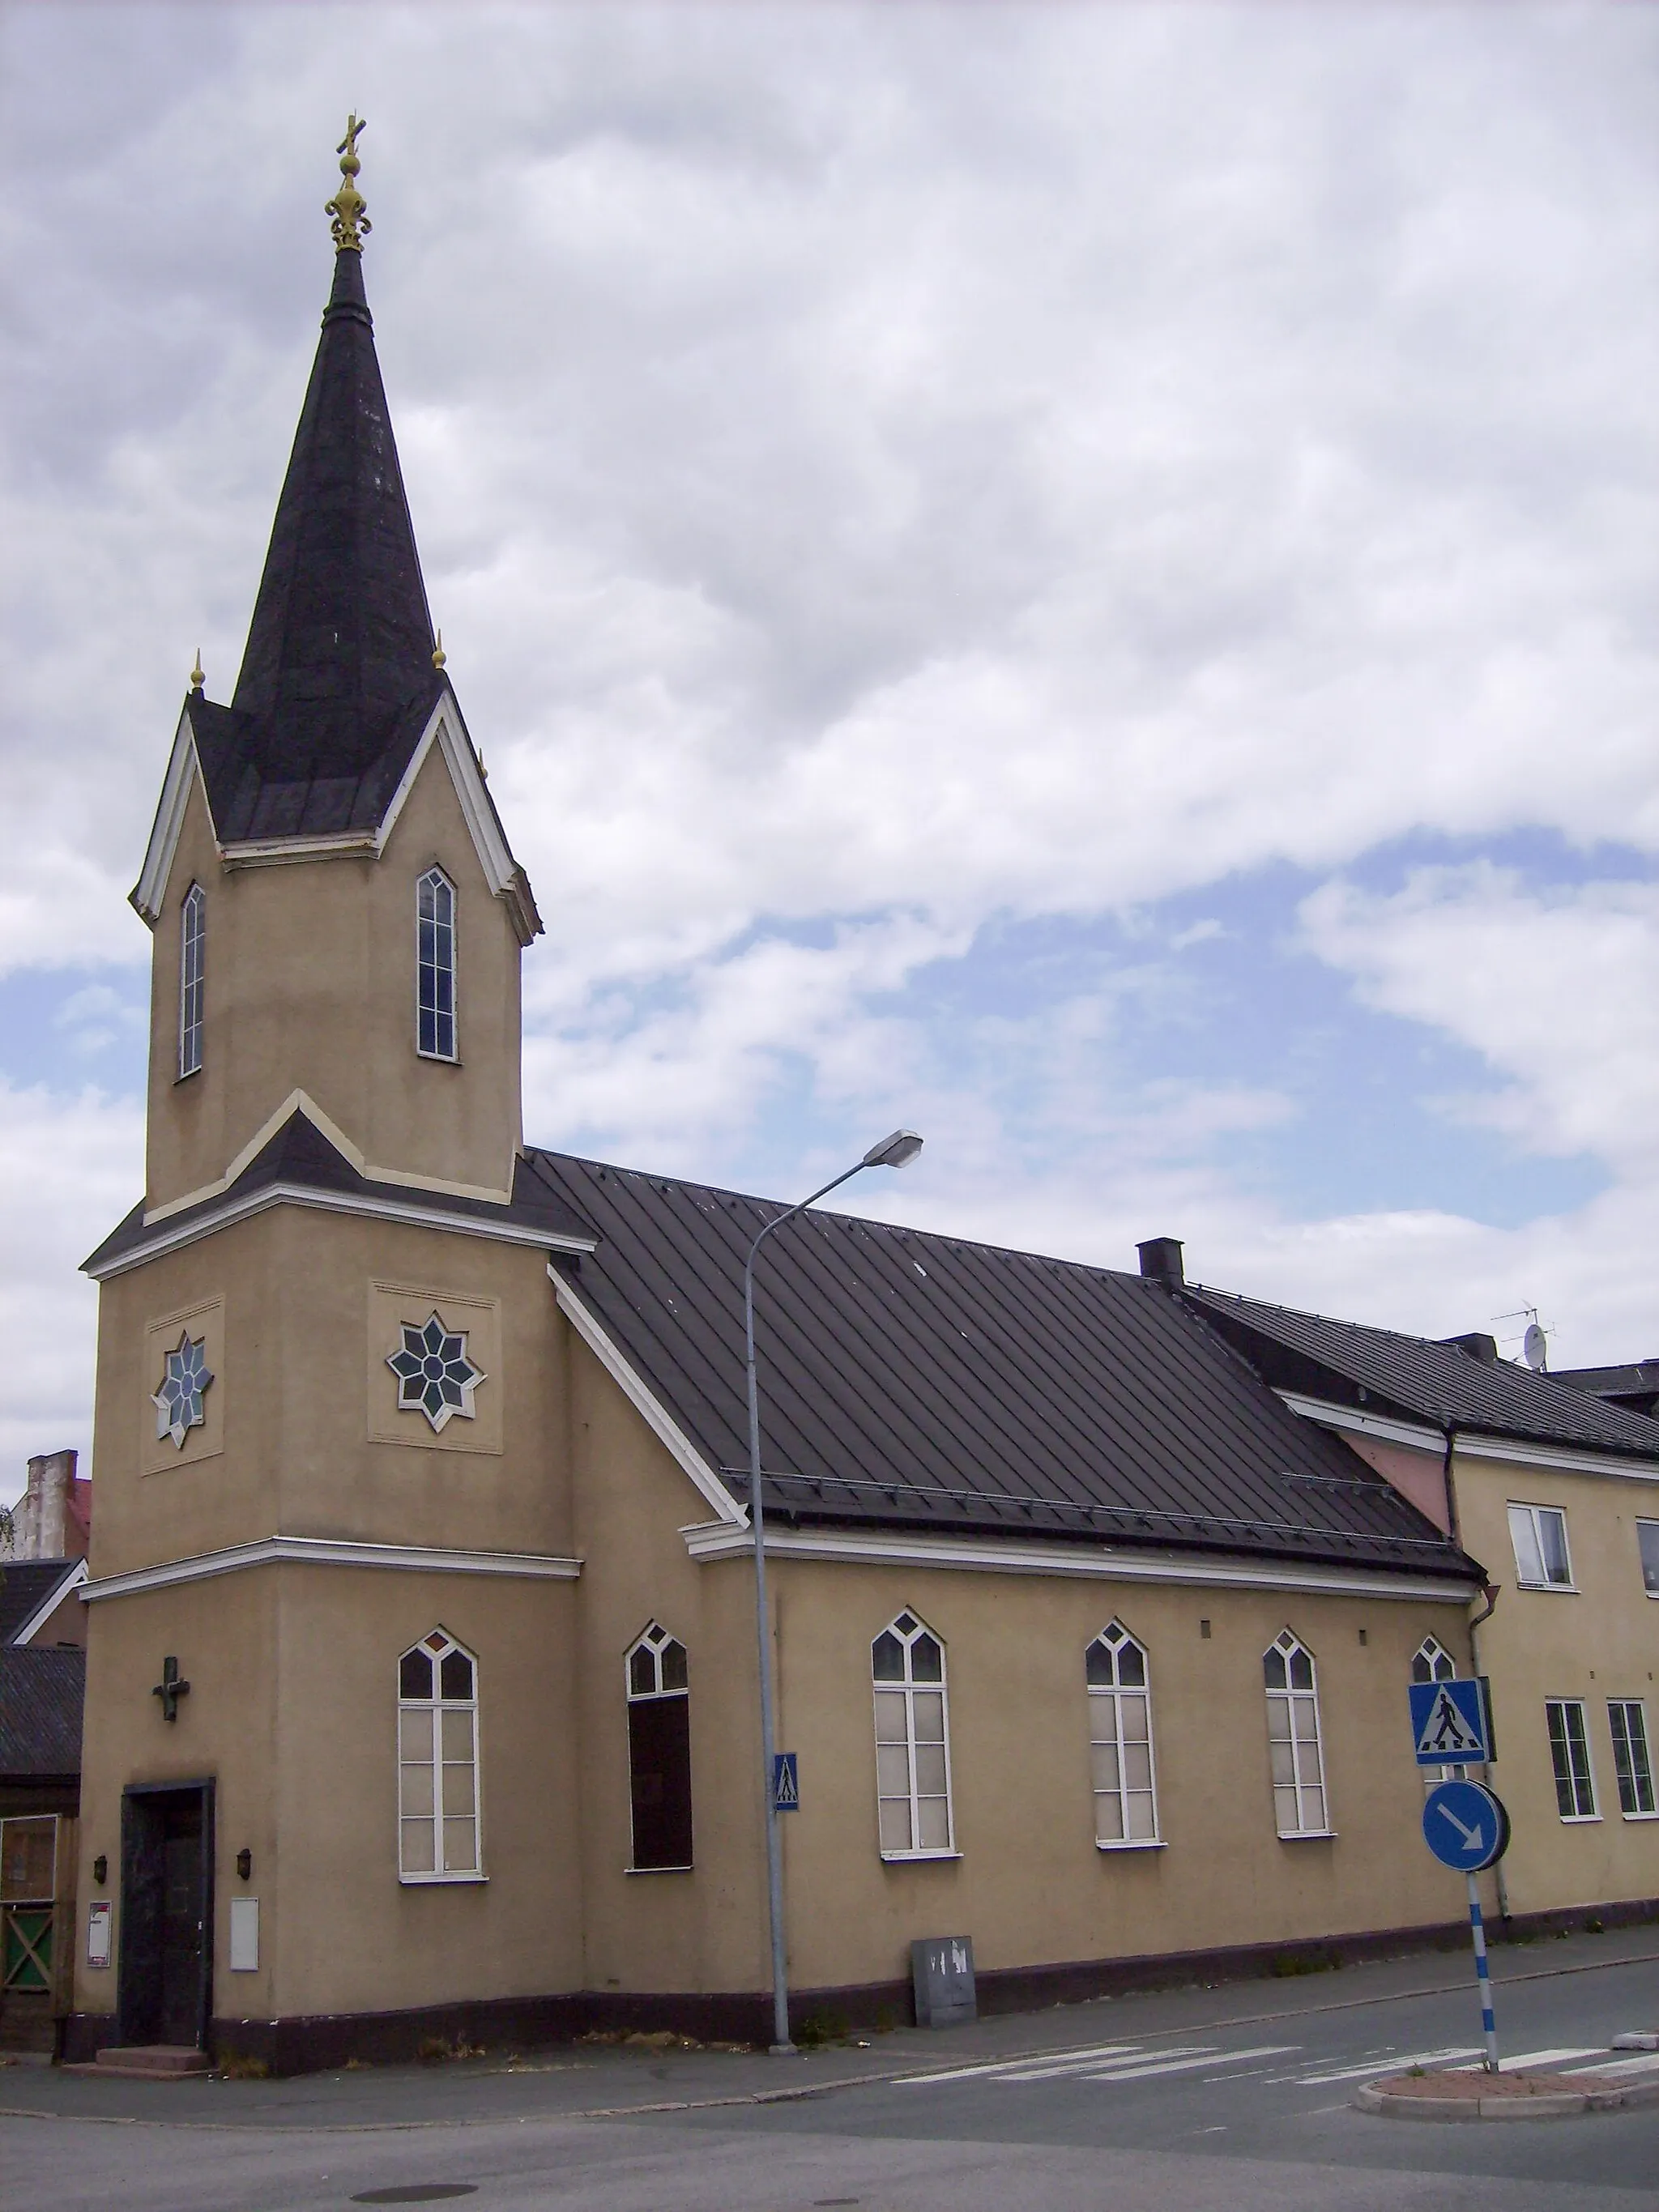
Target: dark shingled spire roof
point(336, 683)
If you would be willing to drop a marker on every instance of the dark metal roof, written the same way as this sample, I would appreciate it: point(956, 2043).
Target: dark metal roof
point(336, 681)
point(1635, 1386)
point(1418, 1379)
point(41, 1694)
point(921, 1381)
point(25, 1585)
point(298, 1154)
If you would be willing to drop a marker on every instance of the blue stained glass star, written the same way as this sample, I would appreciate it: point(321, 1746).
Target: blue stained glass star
point(434, 1376)
point(178, 1403)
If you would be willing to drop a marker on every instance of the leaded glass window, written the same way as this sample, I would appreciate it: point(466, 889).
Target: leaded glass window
point(435, 965)
point(1574, 1784)
point(184, 1382)
point(1432, 1662)
point(435, 1374)
point(912, 1746)
point(438, 1809)
point(192, 953)
point(1121, 1740)
point(660, 1750)
point(1294, 1748)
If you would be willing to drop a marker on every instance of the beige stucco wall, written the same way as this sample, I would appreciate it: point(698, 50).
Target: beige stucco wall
point(310, 985)
point(1601, 1640)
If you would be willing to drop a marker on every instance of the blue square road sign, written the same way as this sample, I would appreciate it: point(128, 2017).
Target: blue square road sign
point(1451, 1723)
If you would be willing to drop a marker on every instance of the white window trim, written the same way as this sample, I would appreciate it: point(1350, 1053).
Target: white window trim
point(1115, 1693)
point(910, 1688)
point(192, 909)
point(1642, 1521)
point(1289, 1698)
point(1574, 1819)
point(1647, 1744)
point(437, 874)
point(1568, 1589)
point(436, 1707)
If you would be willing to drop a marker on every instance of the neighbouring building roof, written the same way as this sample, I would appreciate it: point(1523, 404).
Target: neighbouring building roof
point(41, 1695)
point(1418, 1379)
point(25, 1586)
point(918, 1382)
point(1634, 1386)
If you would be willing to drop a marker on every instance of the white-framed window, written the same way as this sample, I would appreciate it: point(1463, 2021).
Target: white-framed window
point(1647, 1544)
point(1539, 1533)
point(660, 1751)
point(1632, 1763)
point(439, 1825)
point(434, 938)
point(192, 956)
point(1121, 1740)
point(1294, 1749)
point(1574, 1784)
point(1432, 1662)
point(913, 1742)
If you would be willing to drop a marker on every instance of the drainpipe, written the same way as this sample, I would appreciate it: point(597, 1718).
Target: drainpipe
point(1491, 1592)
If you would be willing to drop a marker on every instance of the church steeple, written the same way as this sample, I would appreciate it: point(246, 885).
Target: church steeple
point(339, 651)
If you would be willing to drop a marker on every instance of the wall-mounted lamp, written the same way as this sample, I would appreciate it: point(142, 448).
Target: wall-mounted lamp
point(245, 1865)
point(101, 1869)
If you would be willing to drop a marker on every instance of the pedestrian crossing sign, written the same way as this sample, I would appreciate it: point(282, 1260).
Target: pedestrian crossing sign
point(786, 1783)
point(1451, 1723)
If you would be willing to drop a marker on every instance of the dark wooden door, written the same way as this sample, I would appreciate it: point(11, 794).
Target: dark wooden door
point(178, 1999)
point(167, 1913)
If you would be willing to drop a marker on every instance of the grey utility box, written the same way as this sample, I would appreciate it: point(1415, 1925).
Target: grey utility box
point(942, 1968)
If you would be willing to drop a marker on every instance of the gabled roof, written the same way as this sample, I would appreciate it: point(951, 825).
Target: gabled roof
point(31, 1589)
point(1416, 1378)
point(41, 1696)
point(917, 1382)
point(1635, 1386)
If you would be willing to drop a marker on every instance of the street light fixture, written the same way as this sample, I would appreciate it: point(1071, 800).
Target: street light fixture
point(895, 1152)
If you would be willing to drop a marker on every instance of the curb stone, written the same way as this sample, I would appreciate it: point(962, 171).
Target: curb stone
point(1565, 2103)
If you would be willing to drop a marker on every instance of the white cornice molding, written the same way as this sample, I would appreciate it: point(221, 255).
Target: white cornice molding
point(73, 1578)
point(1384, 1427)
point(1468, 1444)
point(332, 1552)
point(364, 1205)
point(657, 1417)
point(993, 1555)
point(148, 893)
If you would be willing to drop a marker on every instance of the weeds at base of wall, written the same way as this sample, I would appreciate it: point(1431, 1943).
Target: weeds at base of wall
point(1289, 1964)
point(237, 2066)
point(440, 2051)
point(820, 2028)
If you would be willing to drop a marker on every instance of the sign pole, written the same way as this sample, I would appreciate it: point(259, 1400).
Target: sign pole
point(1483, 1979)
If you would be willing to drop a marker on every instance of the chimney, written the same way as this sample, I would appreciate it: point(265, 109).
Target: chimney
point(1478, 1345)
point(1160, 1259)
point(43, 1514)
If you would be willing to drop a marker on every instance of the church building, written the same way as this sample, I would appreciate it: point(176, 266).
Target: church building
point(421, 1687)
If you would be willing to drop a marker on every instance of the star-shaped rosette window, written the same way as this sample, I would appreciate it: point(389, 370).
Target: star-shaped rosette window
point(434, 1376)
point(178, 1403)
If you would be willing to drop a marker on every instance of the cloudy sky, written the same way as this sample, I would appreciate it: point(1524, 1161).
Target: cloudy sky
point(1083, 578)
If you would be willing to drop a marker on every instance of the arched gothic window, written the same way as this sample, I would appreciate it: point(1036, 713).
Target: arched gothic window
point(660, 1750)
point(1432, 1662)
point(1121, 1740)
point(913, 1744)
point(1293, 1743)
point(193, 949)
point(438, 1809)
point(435, 931)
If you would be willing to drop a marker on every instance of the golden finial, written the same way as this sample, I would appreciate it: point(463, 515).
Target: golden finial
point(350, 225)
point(439, 656)
point(198, 676)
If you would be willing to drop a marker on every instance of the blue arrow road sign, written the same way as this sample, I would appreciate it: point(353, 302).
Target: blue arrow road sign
point(786, 1783)
point(1465, 1826)
point(1451, 1725)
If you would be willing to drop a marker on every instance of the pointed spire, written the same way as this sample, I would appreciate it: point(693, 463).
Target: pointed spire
point(340, 649)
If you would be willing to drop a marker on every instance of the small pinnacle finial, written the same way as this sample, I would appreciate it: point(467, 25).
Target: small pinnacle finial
point(439, 656)
point(197, 675)
point(350, 225)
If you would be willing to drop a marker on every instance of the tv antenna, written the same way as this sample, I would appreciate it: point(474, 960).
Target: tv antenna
point(1535, 1342)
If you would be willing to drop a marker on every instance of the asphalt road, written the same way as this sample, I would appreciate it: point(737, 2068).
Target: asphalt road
point(1233, 2098)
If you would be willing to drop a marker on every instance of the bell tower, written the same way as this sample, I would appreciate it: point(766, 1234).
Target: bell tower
point(337, 916)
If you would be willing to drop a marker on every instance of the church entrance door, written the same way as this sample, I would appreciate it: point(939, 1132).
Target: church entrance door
point(167, 1913)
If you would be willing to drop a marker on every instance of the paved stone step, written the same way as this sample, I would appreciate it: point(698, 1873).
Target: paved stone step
point(148, 2062)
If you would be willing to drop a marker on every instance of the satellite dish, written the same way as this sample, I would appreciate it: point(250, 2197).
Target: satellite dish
point(1534, 1348)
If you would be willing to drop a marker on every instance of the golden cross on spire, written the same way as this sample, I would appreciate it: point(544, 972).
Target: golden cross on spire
point(350, 224)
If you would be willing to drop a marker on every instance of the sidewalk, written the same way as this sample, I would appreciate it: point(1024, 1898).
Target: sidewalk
point(594, 2080)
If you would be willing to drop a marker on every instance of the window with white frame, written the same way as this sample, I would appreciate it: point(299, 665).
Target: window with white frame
point(1432, 1662)
point(912, 1746)
point(1627, 1719)
point(1575, 1785)
point(438, 1810)
point(1121, 1740)
point(660, 1751)
point(1647, 1542)
point(1293, 1741)
point(434, 931)
point(192, 954)
point(1539, 1533)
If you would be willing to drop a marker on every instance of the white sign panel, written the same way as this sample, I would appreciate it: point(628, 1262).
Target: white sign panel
point(98, 1917)
point(244, 1935)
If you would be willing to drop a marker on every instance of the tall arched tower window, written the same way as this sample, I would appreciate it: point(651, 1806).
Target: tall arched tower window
point(1293, 1743)
point(435, 931)
point(438, 1809)
point(193, 947)
point(660, 1750)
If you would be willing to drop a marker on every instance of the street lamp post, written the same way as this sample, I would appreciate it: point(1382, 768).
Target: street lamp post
point(895, 1152)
